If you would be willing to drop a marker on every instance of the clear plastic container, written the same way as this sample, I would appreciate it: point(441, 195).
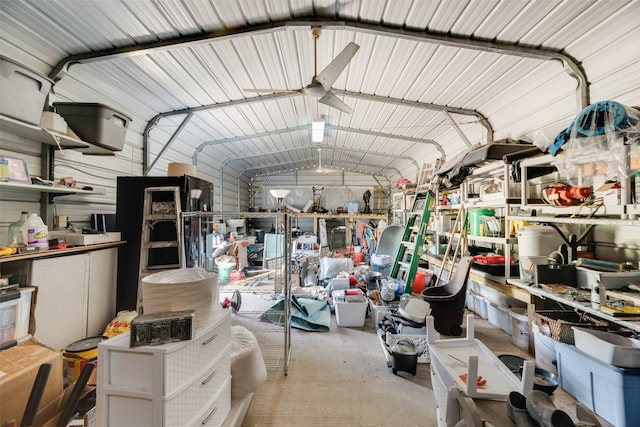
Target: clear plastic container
point(15, 237)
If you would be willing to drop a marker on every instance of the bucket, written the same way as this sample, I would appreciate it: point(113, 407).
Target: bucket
point(519, 327)
point(358, 258)
point(259, 236)
point(538, 240)
point(419, 282)
point(475, 220)
point(224, 270)
point(535, 243)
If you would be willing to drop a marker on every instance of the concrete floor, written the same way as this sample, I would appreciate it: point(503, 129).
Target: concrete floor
point(341, 378)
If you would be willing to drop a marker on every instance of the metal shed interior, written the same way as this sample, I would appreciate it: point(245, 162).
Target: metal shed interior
point(430, 80)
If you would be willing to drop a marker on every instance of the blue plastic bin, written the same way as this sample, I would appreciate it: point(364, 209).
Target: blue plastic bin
point(609, 391)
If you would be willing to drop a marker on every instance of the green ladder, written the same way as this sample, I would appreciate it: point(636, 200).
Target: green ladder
point(408, 255)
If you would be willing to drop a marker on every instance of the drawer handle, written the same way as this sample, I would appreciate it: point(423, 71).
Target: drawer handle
point(206, 380)
point(213, 337)
point(206, 420)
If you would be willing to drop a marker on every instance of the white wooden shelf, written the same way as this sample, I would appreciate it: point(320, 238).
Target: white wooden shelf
point(49, 137)
point(47, 189)
point(36, 133)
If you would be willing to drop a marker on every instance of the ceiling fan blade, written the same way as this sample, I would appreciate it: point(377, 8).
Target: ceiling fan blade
point(332, 100)
point(330, 74)
point(273, 90)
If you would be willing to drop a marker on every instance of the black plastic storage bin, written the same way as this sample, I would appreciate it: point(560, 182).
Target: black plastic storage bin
point(22, 92)
point(95, 123)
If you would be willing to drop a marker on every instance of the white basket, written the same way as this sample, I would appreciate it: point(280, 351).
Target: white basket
point(349, 313)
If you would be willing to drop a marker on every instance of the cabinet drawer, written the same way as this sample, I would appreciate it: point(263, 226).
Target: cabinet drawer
point(195, 397)
point(217, 411)
point(159, 371)
point(194, 402)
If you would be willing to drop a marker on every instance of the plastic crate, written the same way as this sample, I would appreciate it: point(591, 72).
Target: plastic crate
point(611, 392)
point(559, 323)
point(498, 315)
point(22, 92)
point(95, 123)
point(490, 259)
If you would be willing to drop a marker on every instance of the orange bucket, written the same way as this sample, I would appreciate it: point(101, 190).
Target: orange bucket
point(419, 282)
point(358, 258)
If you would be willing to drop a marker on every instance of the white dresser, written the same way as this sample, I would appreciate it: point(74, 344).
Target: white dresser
point(186, 383)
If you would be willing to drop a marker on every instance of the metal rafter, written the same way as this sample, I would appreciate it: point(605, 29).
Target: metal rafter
point(198, 150)
point(570, 65)
point(323, 146)
point(481, 118)
point(189, 113)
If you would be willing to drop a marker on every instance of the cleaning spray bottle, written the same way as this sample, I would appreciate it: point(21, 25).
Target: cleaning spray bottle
point(598, 294)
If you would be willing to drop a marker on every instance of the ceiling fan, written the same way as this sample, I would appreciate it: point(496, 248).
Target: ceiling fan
point(320, 85)
point(320, 168)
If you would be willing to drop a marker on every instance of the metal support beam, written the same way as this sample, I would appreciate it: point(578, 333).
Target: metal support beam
point(391, 136)
point(327, 146)
point(457, 129)
point(169, 143)
point(481, 118)
point(313, 158)
point(570, 65)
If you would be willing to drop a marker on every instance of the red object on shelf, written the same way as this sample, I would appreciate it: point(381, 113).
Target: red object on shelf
point(491, 259)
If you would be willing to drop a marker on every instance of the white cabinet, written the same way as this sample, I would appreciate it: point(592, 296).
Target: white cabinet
point(101, 298)
point(176, 384)
point(76, 296)
point(61, 309)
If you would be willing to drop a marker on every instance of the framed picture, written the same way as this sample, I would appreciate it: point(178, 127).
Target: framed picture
point(14, 169)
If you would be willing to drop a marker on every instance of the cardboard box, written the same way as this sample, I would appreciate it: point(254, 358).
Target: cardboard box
point(610, 193)
point(49, 416)
point(18, 369)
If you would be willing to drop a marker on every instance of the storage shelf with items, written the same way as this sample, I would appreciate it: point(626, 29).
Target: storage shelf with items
point(575, 214)
point(257, 271)
point(573, 208)
point(489, 197)
point(401, 203)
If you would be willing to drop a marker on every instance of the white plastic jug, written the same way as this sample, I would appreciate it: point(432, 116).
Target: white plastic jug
point(35, 233)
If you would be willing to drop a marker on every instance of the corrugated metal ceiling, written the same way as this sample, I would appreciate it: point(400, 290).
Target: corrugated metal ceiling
point(430, 78)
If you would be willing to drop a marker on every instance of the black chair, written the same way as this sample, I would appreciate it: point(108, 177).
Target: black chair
point(447, 301)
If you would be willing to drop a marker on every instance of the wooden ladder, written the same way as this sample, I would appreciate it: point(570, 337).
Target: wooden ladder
point(458, 230)
point(408, 255)
point(158, 214)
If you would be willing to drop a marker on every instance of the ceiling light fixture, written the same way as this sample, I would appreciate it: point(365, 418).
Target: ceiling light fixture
point(317, 130)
